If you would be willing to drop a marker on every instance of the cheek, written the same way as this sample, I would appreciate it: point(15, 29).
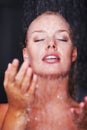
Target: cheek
point(34, 55)
point(65, 51)
point(66, 54)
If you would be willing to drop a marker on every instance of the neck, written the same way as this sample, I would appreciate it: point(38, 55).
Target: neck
point(49, 89)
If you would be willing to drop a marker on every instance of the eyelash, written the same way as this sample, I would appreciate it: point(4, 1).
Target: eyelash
point(38, 40)
point(64, 40)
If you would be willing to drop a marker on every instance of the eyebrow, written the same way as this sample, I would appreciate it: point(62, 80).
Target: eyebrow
point(62, 30)
point(42, 31)
point(38, 31)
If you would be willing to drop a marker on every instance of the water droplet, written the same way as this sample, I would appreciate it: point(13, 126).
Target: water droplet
point(59, 97)
point(36, 118)
point(28, 109)
point(28, 120)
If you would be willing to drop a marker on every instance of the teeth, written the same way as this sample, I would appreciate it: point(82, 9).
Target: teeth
point(51, 57)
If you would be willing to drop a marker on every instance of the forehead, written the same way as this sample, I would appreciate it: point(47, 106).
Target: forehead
point(47, 21)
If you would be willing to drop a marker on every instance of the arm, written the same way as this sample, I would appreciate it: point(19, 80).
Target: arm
point(15, 120)
point(3, 110)
point(20, 88)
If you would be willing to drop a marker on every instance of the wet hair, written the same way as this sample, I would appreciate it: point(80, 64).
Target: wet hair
point(56, 14)
point(72, 10)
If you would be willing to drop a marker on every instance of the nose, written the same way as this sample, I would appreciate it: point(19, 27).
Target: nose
point(51, 44)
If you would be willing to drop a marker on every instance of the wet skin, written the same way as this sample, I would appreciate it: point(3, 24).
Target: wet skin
point(38, 93)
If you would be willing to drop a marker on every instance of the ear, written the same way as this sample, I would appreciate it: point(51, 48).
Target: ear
point(25, 54)
point(74, 54)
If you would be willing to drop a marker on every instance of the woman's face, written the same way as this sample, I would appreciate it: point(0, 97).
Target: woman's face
point(49, 48)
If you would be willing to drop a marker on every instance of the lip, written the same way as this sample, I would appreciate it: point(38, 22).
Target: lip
point(51, 58)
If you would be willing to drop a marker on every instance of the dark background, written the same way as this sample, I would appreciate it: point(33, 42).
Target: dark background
point(10, 39)
point(10, 32)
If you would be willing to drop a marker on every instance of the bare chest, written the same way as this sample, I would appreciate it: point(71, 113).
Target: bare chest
point(50, 118)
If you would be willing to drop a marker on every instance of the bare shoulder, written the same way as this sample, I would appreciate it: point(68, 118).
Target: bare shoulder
point(3, 110)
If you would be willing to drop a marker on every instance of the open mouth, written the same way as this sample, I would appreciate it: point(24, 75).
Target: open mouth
point(52, 58)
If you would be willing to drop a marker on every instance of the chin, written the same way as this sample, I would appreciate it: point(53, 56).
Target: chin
point(52, 74)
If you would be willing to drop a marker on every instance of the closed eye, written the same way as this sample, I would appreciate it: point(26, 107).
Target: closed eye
point(38, 40)
point(64, 40)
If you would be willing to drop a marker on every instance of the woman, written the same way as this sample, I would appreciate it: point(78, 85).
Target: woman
point(38, 94)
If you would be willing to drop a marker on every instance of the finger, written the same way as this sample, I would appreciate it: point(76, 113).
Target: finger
point(75, 115)
point(13, 70)
point(85, 105)
point(81, 105)
point(80, 110)
point(31, 91)
point(26, 59)
point(74, 111)
point(6, 76)
point(78, 113)
point(20, 75)
point(27, 80)
point(85, 100)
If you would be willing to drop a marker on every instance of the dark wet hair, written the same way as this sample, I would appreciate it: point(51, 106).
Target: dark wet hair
point(59, 15)
point(72, 10)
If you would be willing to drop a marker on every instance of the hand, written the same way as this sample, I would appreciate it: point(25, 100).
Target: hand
point(80, 115)
point(20, 85)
